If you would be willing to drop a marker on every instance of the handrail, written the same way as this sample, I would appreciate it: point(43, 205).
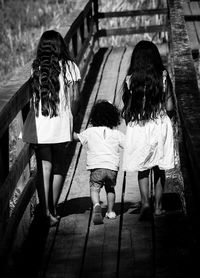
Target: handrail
point(133, 30)
point(14, 99)
point(133, 13)
point(188, 101)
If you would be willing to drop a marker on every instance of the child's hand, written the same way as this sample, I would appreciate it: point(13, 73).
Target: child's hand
point(75, 136)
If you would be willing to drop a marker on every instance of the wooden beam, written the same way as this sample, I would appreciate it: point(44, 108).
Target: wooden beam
point(192, 17)
point(132, 30)
point(132, 13)
point(78, 21)
point(10, 232)
point(10, 183)
point(188, 98)
point(12, 103)
point(4, 157)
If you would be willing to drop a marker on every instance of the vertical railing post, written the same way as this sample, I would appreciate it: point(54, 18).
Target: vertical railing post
point(96, 11)
point(75, 44)
point(4, 170)
point(4, 156)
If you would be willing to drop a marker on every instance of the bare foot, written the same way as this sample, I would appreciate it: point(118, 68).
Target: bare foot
point(52, 220)
point(145, 213)
point(159, 212)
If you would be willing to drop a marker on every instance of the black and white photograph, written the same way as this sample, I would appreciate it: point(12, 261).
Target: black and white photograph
point(99, 138)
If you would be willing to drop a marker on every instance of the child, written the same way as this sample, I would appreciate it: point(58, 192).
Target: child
point(49, 124)
point(103, 142)
point(148, 104)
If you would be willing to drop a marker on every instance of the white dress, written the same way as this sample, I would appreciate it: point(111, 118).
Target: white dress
point(149, 145)
point(45, 130)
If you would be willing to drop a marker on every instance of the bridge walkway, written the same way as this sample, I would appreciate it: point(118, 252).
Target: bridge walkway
point(125, 247)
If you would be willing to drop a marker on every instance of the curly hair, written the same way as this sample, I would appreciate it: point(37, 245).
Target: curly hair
point(145, 97)
point(105, 114)
point(46, 70)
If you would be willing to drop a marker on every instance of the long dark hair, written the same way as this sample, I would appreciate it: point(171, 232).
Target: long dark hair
point(145, 95)
point(46, 69)
point(105, 114)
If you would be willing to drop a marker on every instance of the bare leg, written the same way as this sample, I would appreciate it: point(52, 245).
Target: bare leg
point(110, 191)
point(159, 180)
point(47, 166)
point(46, 173)
point(57, 188)
point(143, 181)
point(97, 214)
point(94, 194)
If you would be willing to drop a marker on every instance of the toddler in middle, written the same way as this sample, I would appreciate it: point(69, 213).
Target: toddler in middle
point(103, 141)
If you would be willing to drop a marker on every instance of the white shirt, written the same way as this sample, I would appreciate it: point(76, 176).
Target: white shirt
point(103, 147)
point(46, 130)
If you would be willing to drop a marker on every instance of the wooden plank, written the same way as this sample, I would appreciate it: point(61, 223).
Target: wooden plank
point(186, 9)
point(101, 252)
point(191, 11)
point(136, 256)
point(192, 35)
point(136, 245)
point(66, 256)
point(195, 9)
point(132, 30)
point(132, 13)
point(197, 27)
point(109, 82)
point(173, 245)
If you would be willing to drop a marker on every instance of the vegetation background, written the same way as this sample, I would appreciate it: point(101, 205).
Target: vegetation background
point(21, 24)
point(23, 21)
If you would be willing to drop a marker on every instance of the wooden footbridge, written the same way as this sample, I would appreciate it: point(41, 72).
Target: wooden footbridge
point(166, 246)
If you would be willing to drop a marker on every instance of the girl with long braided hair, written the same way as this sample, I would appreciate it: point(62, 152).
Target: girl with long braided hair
point(49, 125)
point(148, 106)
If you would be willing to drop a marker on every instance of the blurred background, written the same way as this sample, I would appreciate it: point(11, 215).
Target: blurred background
point(23, 21)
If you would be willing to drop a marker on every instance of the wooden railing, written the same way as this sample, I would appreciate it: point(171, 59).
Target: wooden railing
point(133, 30)
point(188, 102)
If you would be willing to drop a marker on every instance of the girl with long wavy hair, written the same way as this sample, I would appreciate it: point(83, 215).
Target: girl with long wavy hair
point(148, 105)
point(49, 125)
